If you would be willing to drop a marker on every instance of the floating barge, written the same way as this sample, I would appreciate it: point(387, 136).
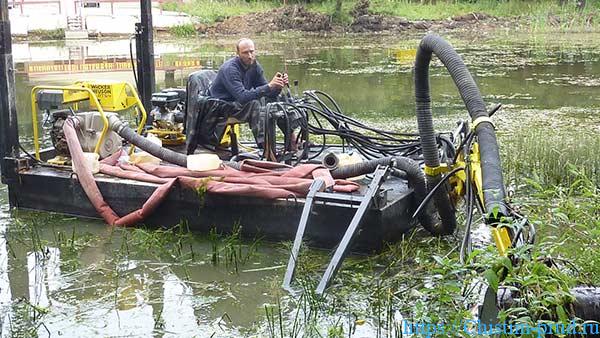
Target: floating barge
point(56, 189)
point(35, 184)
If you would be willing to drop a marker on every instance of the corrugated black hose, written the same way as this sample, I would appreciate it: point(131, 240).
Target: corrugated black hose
point(493, 187)
point(414, 174)
point(143, 143)
point(153, 148)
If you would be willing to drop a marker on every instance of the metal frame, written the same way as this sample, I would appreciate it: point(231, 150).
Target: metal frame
point(90, 96)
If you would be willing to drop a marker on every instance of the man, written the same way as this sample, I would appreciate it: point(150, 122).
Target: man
point(241, 81)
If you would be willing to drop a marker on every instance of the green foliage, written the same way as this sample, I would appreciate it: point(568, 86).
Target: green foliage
point(439, 10)
point(567, 216)
point(539, 15)
point(540, 288)
point(231, 248)
point(329, 7)
point(174, 244)
point(210, 11)
point(551, 158)
point(183, 31)
point(47, 34)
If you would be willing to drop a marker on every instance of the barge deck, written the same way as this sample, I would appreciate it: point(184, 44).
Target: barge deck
point(56, 189)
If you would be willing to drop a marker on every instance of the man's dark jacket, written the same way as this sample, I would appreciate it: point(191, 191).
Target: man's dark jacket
point(236, 82)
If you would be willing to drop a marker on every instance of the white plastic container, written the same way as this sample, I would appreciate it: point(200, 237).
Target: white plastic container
point(203, 162)
point(92, 160)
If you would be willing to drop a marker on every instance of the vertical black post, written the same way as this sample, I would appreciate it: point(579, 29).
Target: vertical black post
point(145, 53)
point(9, 132)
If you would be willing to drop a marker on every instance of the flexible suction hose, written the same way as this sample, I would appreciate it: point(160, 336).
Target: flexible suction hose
point(415, 176)
point(493, 187)
point(143, 143)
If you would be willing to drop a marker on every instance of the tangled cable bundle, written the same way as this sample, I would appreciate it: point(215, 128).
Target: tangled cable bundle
point(368, 141)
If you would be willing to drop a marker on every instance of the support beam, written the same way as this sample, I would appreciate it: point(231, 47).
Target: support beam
point(9, 132)
point(145, 54)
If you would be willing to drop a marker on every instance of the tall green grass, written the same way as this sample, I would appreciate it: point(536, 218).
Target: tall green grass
point(549, 158)
point(444, 9)
point(210, 11)
point(183, 31)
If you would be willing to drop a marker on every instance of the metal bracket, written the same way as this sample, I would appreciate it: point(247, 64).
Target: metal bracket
point(316, 186)
point(434, 171)
point(342, 249)
point(373, 194)
point(11, 168)
point(480, 120)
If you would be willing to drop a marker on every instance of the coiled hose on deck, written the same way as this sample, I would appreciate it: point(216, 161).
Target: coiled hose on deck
point(414, 175)
point(493, 187)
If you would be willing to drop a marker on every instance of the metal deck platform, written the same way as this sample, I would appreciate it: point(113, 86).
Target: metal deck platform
point(56, 190)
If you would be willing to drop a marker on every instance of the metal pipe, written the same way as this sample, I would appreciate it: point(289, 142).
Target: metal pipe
point(145, 53)
point(9, 132)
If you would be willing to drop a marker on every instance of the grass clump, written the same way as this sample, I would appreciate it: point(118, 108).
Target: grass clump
point(551, 159)
point(209, 11)
point(183, 31)
point(175, 244)
point(231, 249)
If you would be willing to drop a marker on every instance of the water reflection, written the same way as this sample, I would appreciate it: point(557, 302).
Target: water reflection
point(5, 292)
point(178, 311)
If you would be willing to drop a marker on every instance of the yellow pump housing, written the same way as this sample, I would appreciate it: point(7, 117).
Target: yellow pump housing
point(111, 95)
point(105, 96)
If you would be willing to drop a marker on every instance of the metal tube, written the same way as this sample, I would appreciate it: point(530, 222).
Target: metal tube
point(145, 53)
point(9, 132)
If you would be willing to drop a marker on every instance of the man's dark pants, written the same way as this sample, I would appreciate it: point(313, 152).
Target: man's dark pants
point(213, 115)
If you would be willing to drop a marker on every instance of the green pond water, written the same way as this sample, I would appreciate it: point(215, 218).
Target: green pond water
point(73, 277)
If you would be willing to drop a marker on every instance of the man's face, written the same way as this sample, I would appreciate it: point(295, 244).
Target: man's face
point(246, 52)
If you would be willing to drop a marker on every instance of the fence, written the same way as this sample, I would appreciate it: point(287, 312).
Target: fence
point(21, 3)
point(79, 3)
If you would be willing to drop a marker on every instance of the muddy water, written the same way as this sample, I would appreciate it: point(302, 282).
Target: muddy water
point(75, 277)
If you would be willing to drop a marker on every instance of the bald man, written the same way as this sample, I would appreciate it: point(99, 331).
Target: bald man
point(241, 81)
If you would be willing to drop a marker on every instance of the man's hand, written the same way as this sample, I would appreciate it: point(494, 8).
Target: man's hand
point(278, 81)
point(286, 81)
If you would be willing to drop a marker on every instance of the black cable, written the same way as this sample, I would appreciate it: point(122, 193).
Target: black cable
point(324, 117)
point(137, 85)
point(435, 188)
point(29, 155)
point(465, 245)
point(360, 140)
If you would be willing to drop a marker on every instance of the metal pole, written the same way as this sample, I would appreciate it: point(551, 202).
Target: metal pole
point(9, 132)
point(145, 54)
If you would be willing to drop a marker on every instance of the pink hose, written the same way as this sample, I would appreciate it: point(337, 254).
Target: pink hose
point(255, 179)
point(88, 183)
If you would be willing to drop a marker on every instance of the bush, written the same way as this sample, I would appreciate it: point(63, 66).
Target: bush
point(48, 34)
point(183, 31)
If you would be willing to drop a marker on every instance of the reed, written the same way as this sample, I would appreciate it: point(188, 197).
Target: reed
point(551, 159)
